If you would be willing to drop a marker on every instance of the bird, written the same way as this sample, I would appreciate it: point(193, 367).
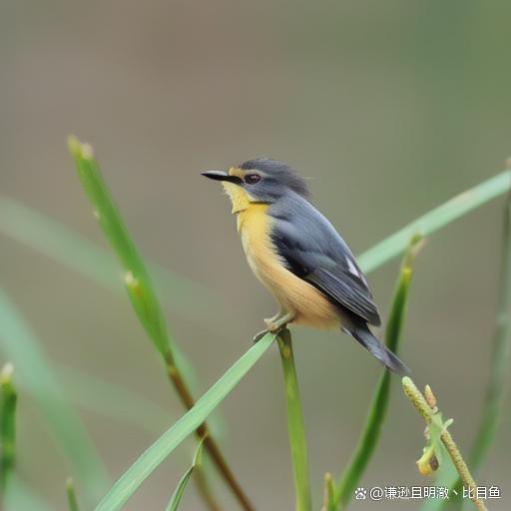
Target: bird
point(298, 255)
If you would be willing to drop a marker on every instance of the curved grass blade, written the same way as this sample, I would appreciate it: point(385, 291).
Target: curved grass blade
point(435, 219)
point(177, 496)
point(138, 283)
point(368, 440)
point(130, 481)
point(21, 346)
point(8, 399)
point(296, 428)
point(103, 397)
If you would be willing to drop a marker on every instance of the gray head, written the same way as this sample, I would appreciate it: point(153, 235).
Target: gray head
point(263, 179)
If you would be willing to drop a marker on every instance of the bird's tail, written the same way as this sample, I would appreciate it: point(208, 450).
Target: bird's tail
point(364, 336)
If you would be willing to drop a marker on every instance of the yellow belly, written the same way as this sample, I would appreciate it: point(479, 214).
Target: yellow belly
point(294, 294)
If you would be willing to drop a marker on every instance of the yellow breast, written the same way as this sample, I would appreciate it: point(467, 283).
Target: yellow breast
point(294, 294)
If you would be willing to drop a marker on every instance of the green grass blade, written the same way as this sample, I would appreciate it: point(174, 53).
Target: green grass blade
point(138, 283)
point(130, 481)
point(177, 496)
point(370, 436)
point(328, 493)
point(436, 219)
point(14, 494)
point(56, 241)
point(8, 398)
point(296, 428)
point(72, 501)
point(22, 347)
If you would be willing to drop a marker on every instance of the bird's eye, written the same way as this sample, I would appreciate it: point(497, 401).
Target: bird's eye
point(252, 179)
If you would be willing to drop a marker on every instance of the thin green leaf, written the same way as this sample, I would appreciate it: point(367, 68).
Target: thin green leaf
point(23, 348)
point(328, 493)
point(296, 428)
point(14, 494)
point(72, 501)
point(370, 436)
point(177, 496)
point(136, 277)
point(130, 481)
point(8, 398)
point(435, 219)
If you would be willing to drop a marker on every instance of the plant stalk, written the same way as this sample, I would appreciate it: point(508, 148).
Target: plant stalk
point(8, 401)
point(421, 404)
point(72, 501)
point(296, 429)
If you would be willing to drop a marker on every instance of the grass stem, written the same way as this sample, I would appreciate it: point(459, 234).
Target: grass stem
point(296, 428)
point(8, 400)
point(433, 419)
point(72, 501)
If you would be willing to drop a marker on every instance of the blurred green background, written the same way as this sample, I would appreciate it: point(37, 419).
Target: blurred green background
point(390, 107)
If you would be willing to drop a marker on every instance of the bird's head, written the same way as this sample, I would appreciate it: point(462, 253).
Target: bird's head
point(261, 180)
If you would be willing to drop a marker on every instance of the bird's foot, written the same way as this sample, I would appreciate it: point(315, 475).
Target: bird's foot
point(270, 321)
point(275, 325)
point(257, 337)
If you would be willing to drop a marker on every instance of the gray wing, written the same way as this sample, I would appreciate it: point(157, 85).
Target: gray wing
point(314, 251)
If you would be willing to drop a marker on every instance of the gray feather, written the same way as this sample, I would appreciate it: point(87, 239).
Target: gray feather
point(364, 336)
point(313, 250)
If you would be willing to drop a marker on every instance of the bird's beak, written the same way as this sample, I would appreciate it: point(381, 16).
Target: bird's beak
point(220, 175)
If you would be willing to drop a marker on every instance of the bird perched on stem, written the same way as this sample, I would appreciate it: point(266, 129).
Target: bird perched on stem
point(299, 256)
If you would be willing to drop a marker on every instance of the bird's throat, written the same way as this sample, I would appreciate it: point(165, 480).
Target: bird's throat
point(240, 199)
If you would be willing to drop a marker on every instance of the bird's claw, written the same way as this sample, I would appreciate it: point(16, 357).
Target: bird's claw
point(276, 330)
point(275, 325)
point(257, 337)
